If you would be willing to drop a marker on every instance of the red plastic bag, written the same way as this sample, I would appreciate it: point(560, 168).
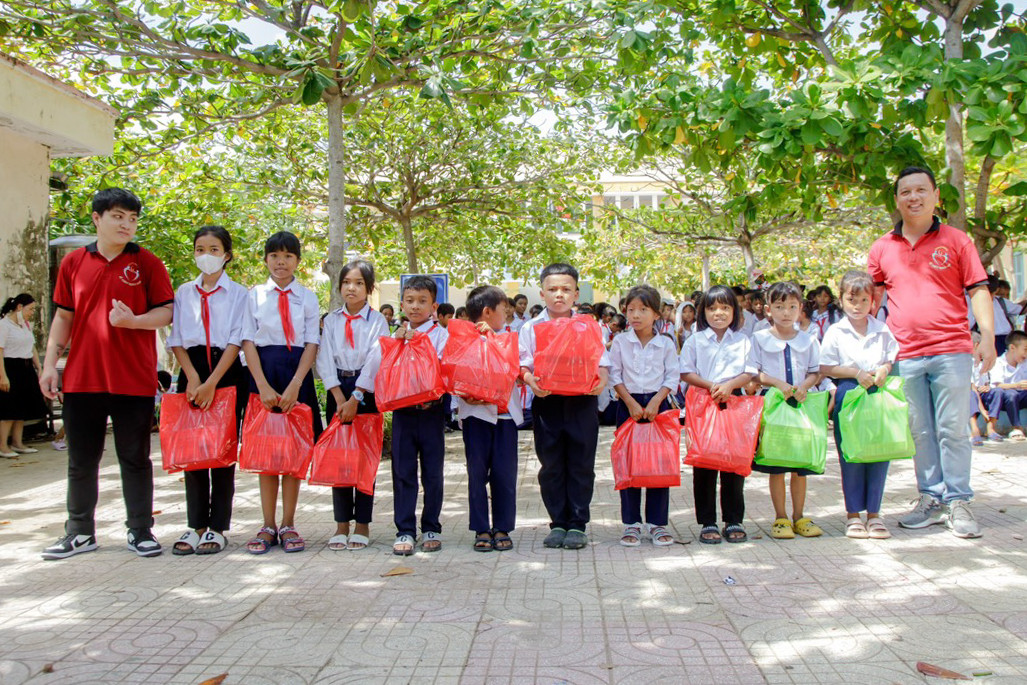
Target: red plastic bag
point(274, 443)
point(567, 354)
point(347, 454)
point(722, 439)
point(480, 367)
point(192, 438)
point(410, 373)
point(647, 455)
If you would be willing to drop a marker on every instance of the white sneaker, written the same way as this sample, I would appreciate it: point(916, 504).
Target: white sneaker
point(961, 520)
point(927, 511)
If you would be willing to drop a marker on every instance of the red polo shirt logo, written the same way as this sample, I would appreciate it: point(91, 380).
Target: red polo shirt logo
point(130, 275)
point(940, 258)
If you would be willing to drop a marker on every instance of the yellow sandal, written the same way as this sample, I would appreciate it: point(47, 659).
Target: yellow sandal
point(807, 529)
point(782, 529)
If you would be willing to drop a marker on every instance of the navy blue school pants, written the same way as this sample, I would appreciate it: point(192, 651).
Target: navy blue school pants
point(491, 451)
point(418, 438)
point(566, 432)
point(862, 484)
point(350, 504)
point(657, 500)
point(1007, 400)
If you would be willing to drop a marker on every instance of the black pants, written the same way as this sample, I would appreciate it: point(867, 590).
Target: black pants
point(732, 498)
point(418, 439)
point(85, 421)
point(566, 434)
point(491, 451)
point(350, 504)
point(209, 492)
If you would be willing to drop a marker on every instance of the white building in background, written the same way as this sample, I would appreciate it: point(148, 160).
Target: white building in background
point(41, 118)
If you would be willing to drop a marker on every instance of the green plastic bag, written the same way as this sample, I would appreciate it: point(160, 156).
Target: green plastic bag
point(875, 426)
point(794, 437)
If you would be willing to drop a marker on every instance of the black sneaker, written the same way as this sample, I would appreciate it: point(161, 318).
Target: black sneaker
point(555, 538)
point(142, 542)
point(69, 546)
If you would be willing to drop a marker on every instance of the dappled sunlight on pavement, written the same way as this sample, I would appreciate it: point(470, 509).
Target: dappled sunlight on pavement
point(825, 610)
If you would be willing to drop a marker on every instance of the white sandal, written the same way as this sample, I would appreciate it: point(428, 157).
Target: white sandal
point(431, 537)
point(876, 529)
point(856, 529)
point(189, 538)
point(632, 536)
point(657, 532)
point(361, 541)
point(403, 546)
point(212, 537)
point(338, 543)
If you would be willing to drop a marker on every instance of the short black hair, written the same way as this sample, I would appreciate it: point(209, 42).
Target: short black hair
point(647, 295)
point(1015, 337)
point(558, 269)
point(912, 171)
point(757, 296)
point(219, 232)
point(738, 290)
point(784, 290)
point(1002, 283)
point(520, 296)
point(421, 283)
point(621, 321)
point(283, 241)
point(481, 297)
point(366, 270)
point(445, 309)
point(856, 281)
point(718, 294)
point(461, 311)
point(535, 310)
point(387, 306)
point(585, 308)
point(109, 198)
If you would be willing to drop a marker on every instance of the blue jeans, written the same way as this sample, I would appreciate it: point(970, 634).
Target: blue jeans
point(939, 420)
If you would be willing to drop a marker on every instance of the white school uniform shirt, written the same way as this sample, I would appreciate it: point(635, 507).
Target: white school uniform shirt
point(16, 340)
point(715, 360)
point(263, 325)
point(1003, 326)
point(1004, 372)
point(334, 354)
point(749, 322)
point(843, 346)
point(518, 322)
point(490, 412)
point(644, 369)
point(526, 342)
point(977, 379)
point(768, 355)
point(761, 325)
point(228, 305)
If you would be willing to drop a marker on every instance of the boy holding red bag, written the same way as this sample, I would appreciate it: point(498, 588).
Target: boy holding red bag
point(490, 440)
point(418, 433)
point(566, 427)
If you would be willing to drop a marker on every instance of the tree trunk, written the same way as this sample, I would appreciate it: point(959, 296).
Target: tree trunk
point(336, 199)
point(408, 242)
point(954, 125)
point(705, 270)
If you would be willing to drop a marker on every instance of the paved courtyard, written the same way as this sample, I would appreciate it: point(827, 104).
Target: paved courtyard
point(827, 610)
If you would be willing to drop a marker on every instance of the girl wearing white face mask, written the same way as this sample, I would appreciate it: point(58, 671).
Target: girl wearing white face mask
point(205, 338)
point(20, 397)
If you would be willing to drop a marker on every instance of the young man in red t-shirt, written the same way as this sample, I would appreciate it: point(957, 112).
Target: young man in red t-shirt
point(927, 268)
point(111, 296)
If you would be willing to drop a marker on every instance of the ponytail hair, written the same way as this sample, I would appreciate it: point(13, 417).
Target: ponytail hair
point(12, 303)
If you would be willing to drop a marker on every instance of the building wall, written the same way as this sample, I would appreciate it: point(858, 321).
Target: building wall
point(24, 205)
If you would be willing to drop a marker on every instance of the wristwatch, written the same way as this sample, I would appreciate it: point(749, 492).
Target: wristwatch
point(358, 395)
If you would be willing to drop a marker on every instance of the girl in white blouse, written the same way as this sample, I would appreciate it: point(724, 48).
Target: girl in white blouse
point(20, 396)
point(859, 350)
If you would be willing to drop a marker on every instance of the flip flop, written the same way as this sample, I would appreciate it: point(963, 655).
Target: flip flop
point(358, 542)
point(189, 538)
point(403, 546)
point(431, 542)
point(211, 537)
point(338, 543)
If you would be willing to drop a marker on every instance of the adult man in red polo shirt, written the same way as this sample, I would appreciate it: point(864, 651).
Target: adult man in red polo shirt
point(111, 296)
point(926, 267)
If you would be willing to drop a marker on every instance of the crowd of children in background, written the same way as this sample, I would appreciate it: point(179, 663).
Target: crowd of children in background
point(725, 341)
